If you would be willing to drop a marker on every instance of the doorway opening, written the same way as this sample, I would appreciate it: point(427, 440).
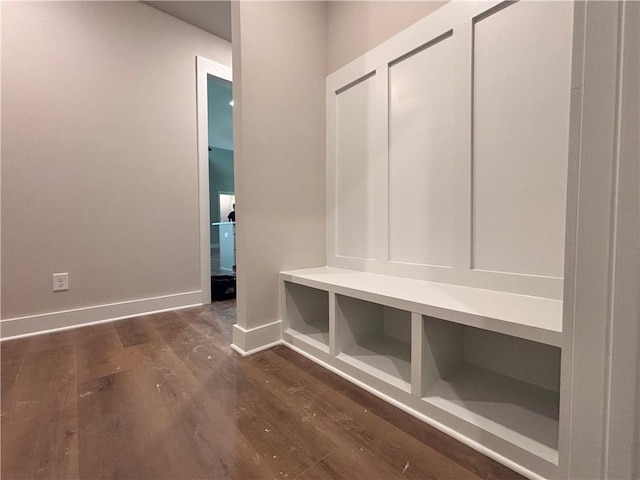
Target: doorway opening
point(216, 181)
point(221, 184)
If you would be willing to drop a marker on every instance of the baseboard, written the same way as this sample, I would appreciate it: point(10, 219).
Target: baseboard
point(48, 322)
point(247, 342)
point(255, 350)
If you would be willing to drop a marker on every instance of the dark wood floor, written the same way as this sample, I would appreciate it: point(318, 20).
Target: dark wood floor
point(164, 396)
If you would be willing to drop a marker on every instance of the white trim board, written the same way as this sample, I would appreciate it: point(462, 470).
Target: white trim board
point(533, 318)
point(12, 328)
point(205, 67)
point(255, 350)
point(253, 340)
point(599, 437)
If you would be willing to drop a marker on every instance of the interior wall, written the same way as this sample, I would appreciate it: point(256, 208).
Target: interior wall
point(279, 51)
point(354, 28)
point(98, 153)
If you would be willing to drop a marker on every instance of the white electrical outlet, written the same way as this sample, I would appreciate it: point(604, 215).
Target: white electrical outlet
point(60, 281)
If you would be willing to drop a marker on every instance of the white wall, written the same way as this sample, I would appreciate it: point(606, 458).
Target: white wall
point(355, 27)
point(279, 51)
point(99, 165)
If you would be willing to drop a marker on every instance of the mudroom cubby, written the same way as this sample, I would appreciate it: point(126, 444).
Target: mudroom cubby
point(448, 209)
point(376, 339)
point(307, 313)
point(445, 353)
point(505, 385)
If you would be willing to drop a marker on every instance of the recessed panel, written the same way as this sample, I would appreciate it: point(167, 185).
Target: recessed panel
point(522, 68)
point(355, 171)
point(420, 156)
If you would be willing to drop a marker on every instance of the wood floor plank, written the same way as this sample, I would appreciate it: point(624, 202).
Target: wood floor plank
point(170, 322)
point(114, 441)
point(205, 321)
point(50, 341)
point(100, 352)
point(348, 423)
point(216, 322)
point(285, 382)
point(280, 435)
point(201, 355)
point(12, 355)
point(164, 396)
point(283, 442)
point(136, 331)
point(459, 453)
point(205, 440)
point(351, 463)
point(39, 422)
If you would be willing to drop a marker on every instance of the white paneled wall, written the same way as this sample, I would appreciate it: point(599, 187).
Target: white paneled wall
point(464, 136)
point(355, 176)
point(520, 131)
point(421, 133)
point(448, 149)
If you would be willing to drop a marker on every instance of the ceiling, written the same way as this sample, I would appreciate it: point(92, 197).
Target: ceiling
point(211, 16)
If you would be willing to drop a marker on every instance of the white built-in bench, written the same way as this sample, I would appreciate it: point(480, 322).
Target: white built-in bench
point(482, 365)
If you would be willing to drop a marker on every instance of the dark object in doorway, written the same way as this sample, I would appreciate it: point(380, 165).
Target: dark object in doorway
point(223, 287)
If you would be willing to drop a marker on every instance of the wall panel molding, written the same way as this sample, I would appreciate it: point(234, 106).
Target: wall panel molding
point(355, 172)
point(470, 184)
point(421, 136)
point(520, 138)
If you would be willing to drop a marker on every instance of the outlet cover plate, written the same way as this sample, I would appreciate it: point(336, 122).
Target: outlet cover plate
point(60, 282)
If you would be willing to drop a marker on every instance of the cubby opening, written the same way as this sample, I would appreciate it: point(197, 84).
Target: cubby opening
point(376, 339)
point(506, 385)
point(307, 311)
